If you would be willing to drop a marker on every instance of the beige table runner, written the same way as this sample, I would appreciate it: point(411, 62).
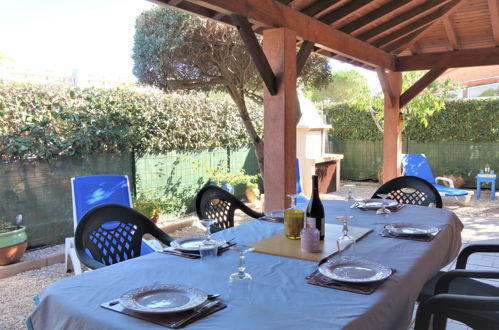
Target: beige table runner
point(280, 245)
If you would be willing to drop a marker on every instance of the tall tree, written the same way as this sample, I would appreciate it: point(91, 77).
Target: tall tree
point(176, 51)
point(345, 86)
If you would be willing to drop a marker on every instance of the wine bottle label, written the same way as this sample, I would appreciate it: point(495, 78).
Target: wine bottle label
point(310, 222)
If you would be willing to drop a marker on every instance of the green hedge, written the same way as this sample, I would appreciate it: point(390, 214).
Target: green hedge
point(461, 120)
point(41, 121)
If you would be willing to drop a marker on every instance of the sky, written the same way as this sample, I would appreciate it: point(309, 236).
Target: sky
point(94, 37)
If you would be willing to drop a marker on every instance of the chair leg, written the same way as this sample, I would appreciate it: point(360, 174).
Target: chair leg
point(67, 247)
point(75, 262)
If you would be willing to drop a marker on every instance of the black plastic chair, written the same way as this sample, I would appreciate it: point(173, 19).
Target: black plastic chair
point(456, 296)
point(213, 202)
point(111, 233)
point(411, 190)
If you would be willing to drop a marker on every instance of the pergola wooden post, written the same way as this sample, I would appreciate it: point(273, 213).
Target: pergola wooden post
point(279, 46)
point(391, 83)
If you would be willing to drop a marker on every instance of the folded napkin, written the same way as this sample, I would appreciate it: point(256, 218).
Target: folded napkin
point(421, 238)
point(194, 254)
point(169, 320)
point(316, 278)
point(393, 208)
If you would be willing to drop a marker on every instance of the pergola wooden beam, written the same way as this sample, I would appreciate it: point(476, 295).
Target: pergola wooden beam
point(494, 18)
point(451, 34)
point(319, 6)
point(402, 42)
point(274, 14)
point(454, 59)
point(387, 89)
point(402, 19)
point(302, 56)
point(374, 15)
point(445, 11)
point(420, 85)
point(408, 29)
point(256, 52)
point(344, 11)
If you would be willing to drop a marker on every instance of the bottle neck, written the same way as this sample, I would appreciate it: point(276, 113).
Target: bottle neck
point(315, 185)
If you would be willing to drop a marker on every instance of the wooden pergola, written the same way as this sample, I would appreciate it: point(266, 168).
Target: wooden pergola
point(388, 36)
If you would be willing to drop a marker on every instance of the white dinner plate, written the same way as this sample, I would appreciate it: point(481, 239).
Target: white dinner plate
point(163, 298)
point(411, 229)
point(355, 270)
point(374, 204)
point(192, 243)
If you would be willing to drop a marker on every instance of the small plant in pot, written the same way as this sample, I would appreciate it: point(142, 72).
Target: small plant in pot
point(149, 205)
point(457, 175)
point(227, 180)
point(13, 241)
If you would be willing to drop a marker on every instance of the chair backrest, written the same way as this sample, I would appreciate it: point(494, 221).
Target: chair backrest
point(111, 233)
point(417, 165)
point(92, 190)
point(213, 202)
point(411, 190)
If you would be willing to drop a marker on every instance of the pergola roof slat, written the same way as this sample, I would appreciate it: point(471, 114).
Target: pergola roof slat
point(372, 33)
point(274, 14)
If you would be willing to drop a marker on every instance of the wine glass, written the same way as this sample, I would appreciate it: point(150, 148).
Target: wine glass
point(350, 197)
point(345, 241)
point(240, 282)
point(208, 249)
point(383, 209)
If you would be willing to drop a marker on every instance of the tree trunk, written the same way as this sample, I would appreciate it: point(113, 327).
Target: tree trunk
point(238, 98)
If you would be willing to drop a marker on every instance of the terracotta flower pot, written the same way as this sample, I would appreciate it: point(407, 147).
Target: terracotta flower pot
point(458, 180)
point(13, 244)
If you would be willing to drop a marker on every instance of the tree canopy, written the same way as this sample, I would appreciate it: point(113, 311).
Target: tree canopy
point(176, 51)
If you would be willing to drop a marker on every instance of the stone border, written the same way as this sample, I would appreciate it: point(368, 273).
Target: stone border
point(22, 266)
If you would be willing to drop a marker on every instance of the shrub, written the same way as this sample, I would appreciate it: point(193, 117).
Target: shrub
point(42, 121)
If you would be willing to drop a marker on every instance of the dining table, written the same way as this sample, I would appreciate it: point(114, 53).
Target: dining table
point(280, 296)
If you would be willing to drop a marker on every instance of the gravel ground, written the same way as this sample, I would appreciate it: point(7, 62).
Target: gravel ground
point(17, 292)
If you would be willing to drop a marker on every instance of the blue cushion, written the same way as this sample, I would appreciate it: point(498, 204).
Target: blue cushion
point(448, 191)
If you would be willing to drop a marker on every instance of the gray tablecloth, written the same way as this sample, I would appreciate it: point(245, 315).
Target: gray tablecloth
point(281, 298)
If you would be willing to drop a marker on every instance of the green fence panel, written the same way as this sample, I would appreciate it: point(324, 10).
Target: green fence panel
point(41, 192)
point(177, 176)
point(362, 159)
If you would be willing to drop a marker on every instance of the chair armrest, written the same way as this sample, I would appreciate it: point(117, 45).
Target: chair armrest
point(440, 304)
point(160, 235)
point(442, 285)
point(449, 181)
point(462, 259)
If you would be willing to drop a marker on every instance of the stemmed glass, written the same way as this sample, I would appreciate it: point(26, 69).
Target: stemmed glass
point(350, 197)
point(345, 241)
point(240, 282)
point(209, 247)
point(383, 209)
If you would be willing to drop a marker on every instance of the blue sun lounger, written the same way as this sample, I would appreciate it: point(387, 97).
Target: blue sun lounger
point(417, 165)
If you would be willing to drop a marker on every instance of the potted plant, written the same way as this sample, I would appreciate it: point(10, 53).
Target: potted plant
point(13, 242)
point(228, 180)
point(149, 205)
point(457, 175)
